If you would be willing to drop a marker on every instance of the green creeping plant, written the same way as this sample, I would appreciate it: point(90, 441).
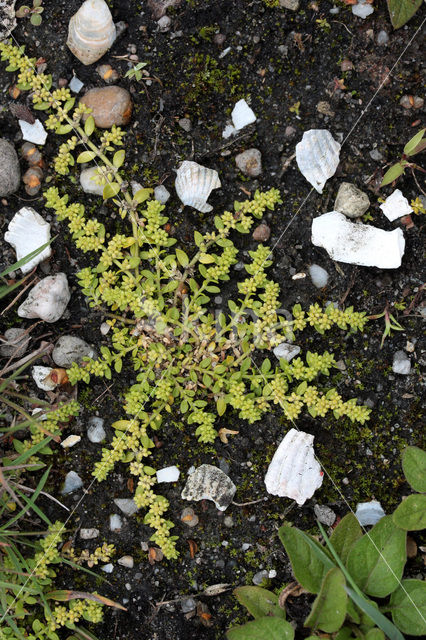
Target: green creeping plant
point(158, 300)
point(349, 573)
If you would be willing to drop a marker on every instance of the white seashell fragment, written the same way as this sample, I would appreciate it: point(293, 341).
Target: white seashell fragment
point(242, 115)
point(47, 300)
point(395, 206)
point(70, 441)
point(168, 474)
point(34, 133)
point(27, 231)
point(40, 374)
point(369, 512)
point(293, 471)
point(91, 31)
point(358, 243)
point(362, 10)
point(317, 156)
point(194, 183)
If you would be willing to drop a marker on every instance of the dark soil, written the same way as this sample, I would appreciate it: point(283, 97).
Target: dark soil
point(278, 58)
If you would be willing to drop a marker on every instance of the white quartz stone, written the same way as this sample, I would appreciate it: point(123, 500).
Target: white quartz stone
point(70, 441)
point(115, 522)
point(242, 115)
point(72, 483)
point(286, 351)
point(76, 84)
point(88, 183)
point(27, 231)
point(395, 206)
point(161, 194)
point(34, 133)
point(47, 300)
point(126, 505)
point(228, 131)
point(362, 10)
point(319, 276)
point(168, 474)
point(358, 243)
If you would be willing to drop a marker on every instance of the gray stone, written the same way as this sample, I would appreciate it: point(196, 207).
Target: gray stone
point(126, 561)
point(126, 505)
point(89, 534)
point(72, 483)
point(17, 340)
point(228, 521)
point(261, 233)
point(96, 432)
point(249, 162)
point(319, 276)
point(260, 577)
point(189, 517)
point(71, 349)
point(108, 568)
point(324, 514)
point(115, 522)
point(293, 5)
point(87, 181)
point(210, 483)
point(351, 201)
point(185, 124)
point(164, 24)
point(376, 155)
point(10, 173)
point(188, 605)
point(382, 37)
point(286, 351)
point(401, 364)
point(369, 512)
point(161, 194)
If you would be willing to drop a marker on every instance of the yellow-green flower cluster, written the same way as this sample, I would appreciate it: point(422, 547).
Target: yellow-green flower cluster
point(61, 616)
point(49, 551)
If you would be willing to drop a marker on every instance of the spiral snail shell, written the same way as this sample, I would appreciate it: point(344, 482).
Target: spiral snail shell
point(91, 31)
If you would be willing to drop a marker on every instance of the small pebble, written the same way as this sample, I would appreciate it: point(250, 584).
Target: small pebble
point(16, 342)
point(47, 300)
point(115, 522)
point(401, 363)
point(70, 441)
point(411, 548)
point(376, 155)
point(261, 233)
point(351, 201)
point(290, 132)
point(126, 505)
point(319, 276)
point(242, 115)
point(10, 173)
point(110, 105)
point(292, 5)
point(89, 534)
point(324, 514)
point(189, 517)
point(126, 561)
point(286, 351)
point(35, 133)
point(382, 37)
point(185, 124)
point(76, 85)
point(188, 605)
point(72, 483)
point(105, 328)
point(168, 474)
point(249, 162)
point(219, 39)
point(108, 568)
point(164, 24)
point(88, 181)
point(161, 194)
point(96, 432)
point(260, 577)
point(107, 73)
point(368, 513)
point(228, 521)
point(69, 349)
point(272, 574)
point(362, 10)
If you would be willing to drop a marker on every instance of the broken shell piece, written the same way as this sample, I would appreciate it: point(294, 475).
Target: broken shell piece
point(242, 115)
point(168, 474)
point(194, 183)
point(91, 31)
point(369, 512)
point(47, 300)
point(358, 243)
point(210, 483)
point(33, 132)
point(70, 441)
point(317, 156)
point(27, 231)
point(395, 206)
point(293, 471)
point(42, 378)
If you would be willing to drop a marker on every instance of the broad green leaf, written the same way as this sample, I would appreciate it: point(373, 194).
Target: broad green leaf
point(263, 629)
point(375, 634)
point(206, 258)
point(86, 156)
point(344, 634)
point(89, 126)
point(118, 158)
point(414, 467)
point(182, 257)
point(401, 11)
point(307, 567)
point(221, 408)
point(410, 515)
point(259, 602)
point(392, 174)
point(110, 190)
point(329, 608)
point(408, 607)
point(142, 195)
point(376, 561)
point(198, 238)
point(35, 19)
point(411, 145)
point(345, 535)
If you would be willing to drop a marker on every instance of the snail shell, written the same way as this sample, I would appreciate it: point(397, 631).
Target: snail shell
point(91, 31)
point(194, 183)
point(317, 156)
point(294, 471)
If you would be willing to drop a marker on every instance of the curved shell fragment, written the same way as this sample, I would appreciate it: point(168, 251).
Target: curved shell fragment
point(194, 183)
point(317, 156)
point(91, 31)
point(28, 231)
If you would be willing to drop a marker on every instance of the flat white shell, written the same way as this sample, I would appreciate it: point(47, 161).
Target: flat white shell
point(39, 375)
point(70, 441)
point(242, 115)
point(317, 156)
point(27, 231)
point(395, 206)
point(47, 300)
point(194, 183)
point(358, 243)
point(293, 471)
point(91, 31)
point(34, 133)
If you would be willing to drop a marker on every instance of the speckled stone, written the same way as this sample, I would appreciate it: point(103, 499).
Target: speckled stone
point(10, 173)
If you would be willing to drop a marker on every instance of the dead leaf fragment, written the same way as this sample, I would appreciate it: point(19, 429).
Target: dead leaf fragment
point(294, 589)
point(224, 432)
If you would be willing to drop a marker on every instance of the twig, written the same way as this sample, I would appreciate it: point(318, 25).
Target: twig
point(22, 486)
point(224, 146)
point(245, 504)
point(44, 349)
point(351, 284)
point(22, 291)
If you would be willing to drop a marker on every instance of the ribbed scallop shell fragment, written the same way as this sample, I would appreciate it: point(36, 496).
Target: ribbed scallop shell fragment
point(91, 31)
point(27, 232)
point(194, 183)
point(317, 156)
point(293, 471)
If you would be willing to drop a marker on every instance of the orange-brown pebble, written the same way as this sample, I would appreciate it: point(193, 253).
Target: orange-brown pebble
point(110, 105)
point(32, 179)
point(31, 154)
point(107, 73)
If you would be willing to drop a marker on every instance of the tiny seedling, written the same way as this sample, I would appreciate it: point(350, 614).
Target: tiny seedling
point(391, 323)
point(413, 146)
point(33, 13)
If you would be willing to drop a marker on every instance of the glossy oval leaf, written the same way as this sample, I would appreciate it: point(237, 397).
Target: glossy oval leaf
point(142, 195)
point(329, 608)
point(263, 629)
point(259, 602)
point(410, 515)
point(414, 467)
point(89, 126)
point(110, 190)
point(86, 156)
point(118, 158)
point(307, 567)
point(408, 607)
point(344, 536)
point(375, 634)
point(182, 257)
point(392, 174)
point(376, 561)
point(401, 11)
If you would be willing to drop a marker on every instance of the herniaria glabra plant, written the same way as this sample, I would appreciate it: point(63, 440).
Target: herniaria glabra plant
point(158, 298)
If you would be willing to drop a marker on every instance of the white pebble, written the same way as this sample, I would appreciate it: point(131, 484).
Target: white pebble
point(126, 561)
point(126, 505)
point(76, 85)
point(47, 300)
point(401, 363)
point(362, 10)
point(369, 512)
point(70, 441)
point(34, 133)
point(242, 115)
point(89, 534)
point(286, 351)
point(161, 194)
point(72, 483)
point(108, 568)
point(168, 474)
point(115, 522)
point(395, 206)
point(96, 432)
point(87, 181)
point(319, 276)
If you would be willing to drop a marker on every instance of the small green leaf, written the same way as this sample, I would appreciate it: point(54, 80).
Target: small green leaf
point(307, 567)
point(86, 156)
point(375, 634)
point(142, 195)
point(69, 104)
point(89, 126)
point(198, 238)
point(376, 561)
point(110, 190)
point(414, 467)
point(118, 158)
point(221, 406)
point(263, 629)
point(329, 608)
point(62, 129)
point(410, 515)
point(259, 602)
point(411, 145)
point(408, 607)
point(206, 258)
point(35, 19)
point(401, 11)
point(392, 174)
point(182, 257)
point(345, 535)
